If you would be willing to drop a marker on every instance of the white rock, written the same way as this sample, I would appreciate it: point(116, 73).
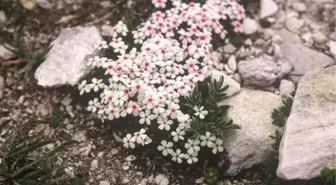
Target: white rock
point(267, 8)
point(28, 4)
point(294, 24)
point(232, 63)
point(248, 146)
point(94, 165)
point(250, 26)
point(286, 88)
point(125, 181)
point(307, 37)
point(237, 78)
point(309, 143)
point(66, 101)
point(66, 62)
point(45, 4)
point(5, 54)
point(234, 87)
point(299, 6)
point(332, 46)
point(104, 183)
point(3, 18)
point(2, 86)
point(319, 38)
point(227, 69)
point(259, 71)
point(70, 171)
point(161, 179)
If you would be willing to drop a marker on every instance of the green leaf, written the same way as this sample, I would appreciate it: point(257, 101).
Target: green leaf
point(328, 176)
point(77, 181)
point(281, 114)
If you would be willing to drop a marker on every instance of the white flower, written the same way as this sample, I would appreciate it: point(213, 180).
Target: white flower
point(218, 146)
point(159, 3)
point(96, 84)
point(200, 112)
point(191, 157)
point(93, 105)
point(101, 45)
point(139, 136)
point(129, 141)
point(119, 99)
point(164, 124)
point(113, 112)
point(146, 140)
point(177, 156)
point(192, 145)
point(208, 140)
point(165, 147)
point(146, 116)
point(83, 87)
point(178, 134)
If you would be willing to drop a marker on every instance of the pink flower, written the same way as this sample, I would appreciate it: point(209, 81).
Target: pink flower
point(159, 3)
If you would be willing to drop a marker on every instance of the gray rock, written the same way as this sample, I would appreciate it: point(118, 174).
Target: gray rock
point(299, 6)
point(2, 86)
point(104, 183)
point(250, 26)
point(107, 30)
point(267, 8)
point(288, 36)
point(303, 59)
point(3, 18)
point(332, 46)
point(66, 61)
point(249, 146)
point(294, 24)
point(286, 68)
point(259, 71)
point(286, 88)
point(309, 143)
point(45, 4)
point(319, 38)
point(234, 87)
point(5, 54)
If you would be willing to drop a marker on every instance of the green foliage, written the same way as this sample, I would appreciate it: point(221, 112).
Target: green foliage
point(211, 176)
point(273, 160)
point(25, 161)
point(207, 94)
point(19, 49)
point(279, 117)
point(55, 118)
point(77, 181)
point(328, 176)
point(281, 114)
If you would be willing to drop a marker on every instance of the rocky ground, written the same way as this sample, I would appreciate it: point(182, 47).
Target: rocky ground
point(283, 41)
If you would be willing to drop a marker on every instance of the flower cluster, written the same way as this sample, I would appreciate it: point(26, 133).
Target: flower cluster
point(170, 55)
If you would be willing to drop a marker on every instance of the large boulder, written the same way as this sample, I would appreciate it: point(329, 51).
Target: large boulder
point(66, 61)
point(250, 145)
point(302, 58)
point(309, 140)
